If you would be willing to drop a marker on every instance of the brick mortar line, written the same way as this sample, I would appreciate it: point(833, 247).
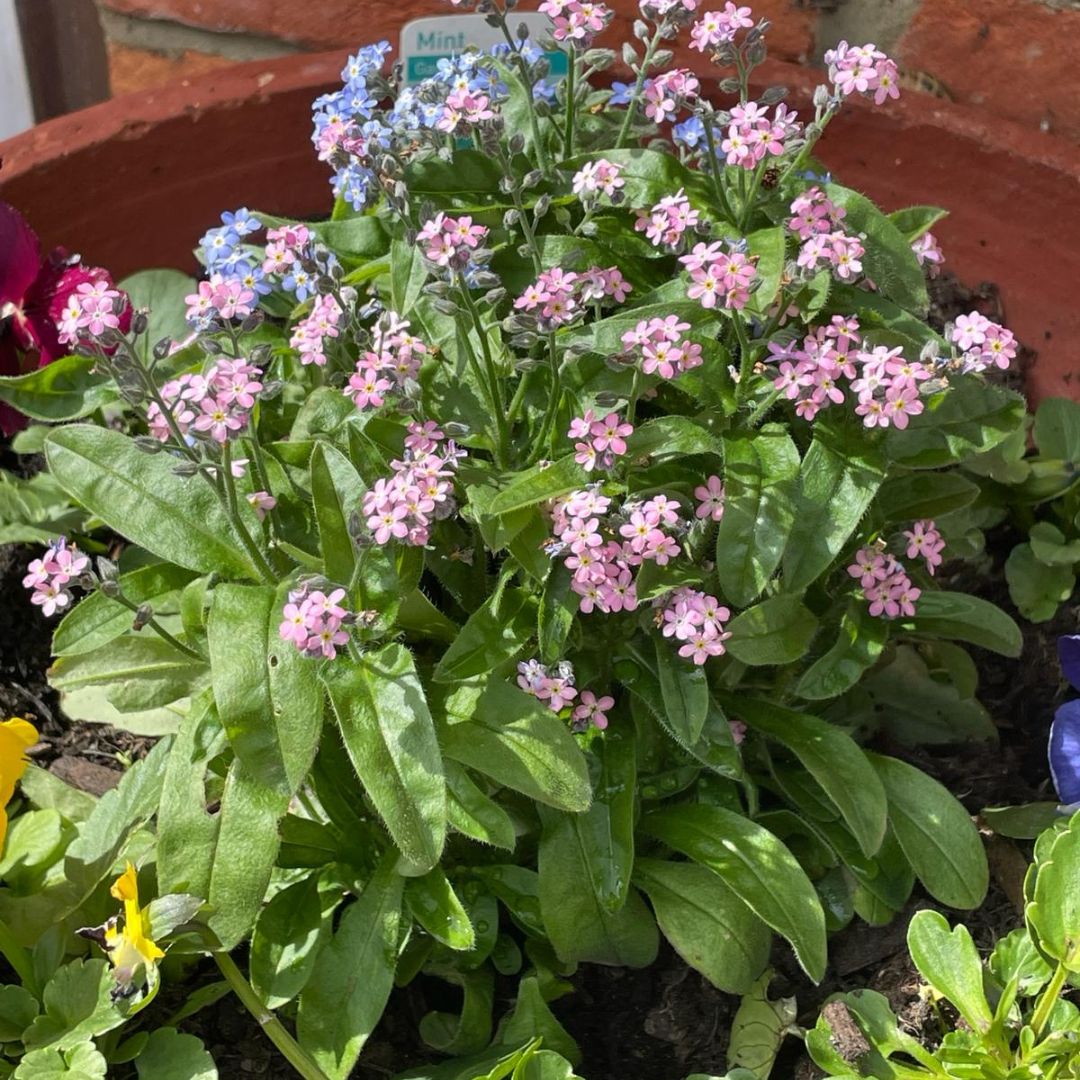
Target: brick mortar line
point(173, 39)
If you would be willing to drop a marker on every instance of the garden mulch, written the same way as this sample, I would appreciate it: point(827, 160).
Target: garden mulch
point(665, 1022)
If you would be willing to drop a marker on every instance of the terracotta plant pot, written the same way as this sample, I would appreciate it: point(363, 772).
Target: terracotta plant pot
point(135, 181)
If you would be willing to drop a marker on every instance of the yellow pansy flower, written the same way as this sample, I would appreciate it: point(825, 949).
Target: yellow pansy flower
point(16, 737)
point(130, 948)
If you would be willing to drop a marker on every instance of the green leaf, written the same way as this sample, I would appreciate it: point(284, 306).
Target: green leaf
point(288, 935)
point(759, 476)
point(585, 863)
point(170, 1055)
point(18, 1008)
point(558, 605)
point(1023, 822)
point(102, 836)
point(355, 239)
point(831, 757)
point(435, 906)
point(96, 620)
point(34, 841)
point(1049, 545)
point(776, 631)
point(353, 976)
point(470, 174)
point(81, 1062)
point(1016, 956)
point(162, 293)
point(756, 866)
point(187, 834)
point(66, 389)
point(336, 489)
point(531, 1018)
point(1057, 429)
point(913, 221)
point(470, 1030)
point(684, 692)
point(267, 693)
point(962, 617)
point(839, 477)
point(1054, 911)
point(244, 854)
point(769, 247)
point(390, 738)
point(147, 669)
point(706, 923)
point(671, 436)
point(472, 813)
point(889, 261)
point(937, 836)
point(923, 495)
point(516, 740)
point(138, 496)
point(494, 633)
point(949, 962)
point(758, 1029)
point(858, 646)
point(969, 418)
point(538, 484)
point(77, 1005)
point(1036, 589)
point(48, 792)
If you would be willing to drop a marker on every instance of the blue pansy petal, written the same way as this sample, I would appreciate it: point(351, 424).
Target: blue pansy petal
point(1065, 752)
point(1069, 654)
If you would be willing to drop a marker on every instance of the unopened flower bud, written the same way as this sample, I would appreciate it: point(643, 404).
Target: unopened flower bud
point(773, 95)
point(139, 323)
point(511, 218)
point(143, 615)
point(629, 54)
point(147, 444)
point(543, 204)
point(110, 588)
point(252, 321)
point(495, 296)
point(729, 86)
point(532, 178)
point(185, 469)
point(641, 30)
point(662, 58)
point(517, 143)
point(107, 569)
point(600, 59)
point(607, 399)
point(446, 306)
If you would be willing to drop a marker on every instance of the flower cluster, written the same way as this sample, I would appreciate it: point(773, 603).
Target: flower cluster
point(984, 343)
point(596, 178)
point(310, 336)
point(697, 620)
point(658, 346)
point(218, 297)
point(346, 133)
point(885, 584)
point(554, 685)
point(719, 275)
point(666, 222)
point(420, 491)
point(394, 358)
point(576, 21)
point(665, 95)
point(925, 542)
point(816, 220)
point(212, 406)
point(92, 308)
point(50, 577)
point(558, 297)
point(719, 27)
point(603, 550)
point(886, 385)
point(449, 242)
point(862, 69)
point(752, 135)
point(600, 439)
point(315, 621)
point(928, 252)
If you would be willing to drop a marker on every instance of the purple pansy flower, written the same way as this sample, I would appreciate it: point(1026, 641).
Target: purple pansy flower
point(1065, 732)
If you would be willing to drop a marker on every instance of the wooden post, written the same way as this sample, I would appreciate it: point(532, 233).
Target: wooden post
point(64, 49)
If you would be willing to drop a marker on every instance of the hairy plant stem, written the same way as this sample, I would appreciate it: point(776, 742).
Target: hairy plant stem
point(714, 172)
point(554, 399)
point(746, 358)
point(258, 464)
point(491, 375)
point(526, 81)
point(158, 629)
point(748, 203)
point(291, 1050)
point(232, 505)
point(763, 407)
point(632, 105)
point(571, 93)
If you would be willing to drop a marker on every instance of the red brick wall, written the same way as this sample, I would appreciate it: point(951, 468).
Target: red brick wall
point(1018, 59)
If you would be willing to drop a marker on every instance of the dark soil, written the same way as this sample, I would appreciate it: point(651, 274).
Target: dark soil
point(665, 1022)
